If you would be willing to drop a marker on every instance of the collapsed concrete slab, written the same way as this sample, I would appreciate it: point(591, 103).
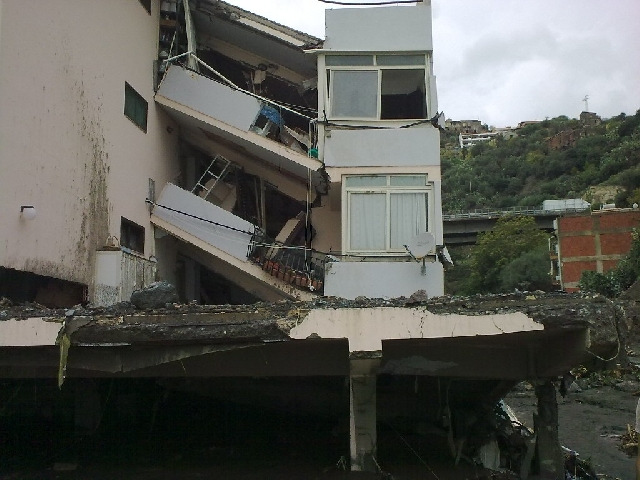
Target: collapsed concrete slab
point(473, 348)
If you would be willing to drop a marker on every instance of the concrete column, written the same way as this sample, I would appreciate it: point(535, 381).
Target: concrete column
point(362, 425)
point(550, 460)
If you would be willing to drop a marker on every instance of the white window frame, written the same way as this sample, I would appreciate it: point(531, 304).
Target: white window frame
point(388, 190)
point(329, 73)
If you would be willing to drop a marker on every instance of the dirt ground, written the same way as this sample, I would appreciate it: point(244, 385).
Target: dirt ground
point(591, 422)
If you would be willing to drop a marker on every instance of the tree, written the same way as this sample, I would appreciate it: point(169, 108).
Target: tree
point(617, 280)
point(511, 238)
point(530, 271)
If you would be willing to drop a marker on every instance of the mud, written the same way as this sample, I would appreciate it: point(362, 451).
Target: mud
point(591, 423)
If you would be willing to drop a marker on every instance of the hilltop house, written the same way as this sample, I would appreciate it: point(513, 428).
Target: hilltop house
point(234, 157)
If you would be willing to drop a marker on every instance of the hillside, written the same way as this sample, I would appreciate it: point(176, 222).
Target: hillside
point(553, 159)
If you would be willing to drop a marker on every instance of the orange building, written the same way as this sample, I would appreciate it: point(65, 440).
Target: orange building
point(595, 241)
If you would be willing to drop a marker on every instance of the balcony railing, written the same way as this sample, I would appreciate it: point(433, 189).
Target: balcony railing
point(492, 213)
point(298, 266)
point(269, 114)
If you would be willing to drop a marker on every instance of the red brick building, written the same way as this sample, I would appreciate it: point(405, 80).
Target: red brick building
point(595, 241)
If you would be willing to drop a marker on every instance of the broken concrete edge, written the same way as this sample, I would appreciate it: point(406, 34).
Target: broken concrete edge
point(607, 321)
point(470, 305)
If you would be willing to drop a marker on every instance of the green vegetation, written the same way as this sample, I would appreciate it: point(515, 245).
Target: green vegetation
point(614, 282)
point(513, 255)
point(525, 170)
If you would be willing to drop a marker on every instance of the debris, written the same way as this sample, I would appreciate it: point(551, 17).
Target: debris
point(418, 297)
point(629, 442)
point(156, 295)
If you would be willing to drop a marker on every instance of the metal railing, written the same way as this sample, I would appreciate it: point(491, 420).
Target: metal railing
point(517, 211)
point(298, 266)
point(281, 107)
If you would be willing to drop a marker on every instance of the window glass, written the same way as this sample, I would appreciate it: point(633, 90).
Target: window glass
point(131, 235)
point(403, 94)
point(408, 180)
point(135, 107)
point(348, 60)
point(408, 217)
point(400, 59)
point(355, 93)
point(385, 212)
point(368, 221)
point(366, 181)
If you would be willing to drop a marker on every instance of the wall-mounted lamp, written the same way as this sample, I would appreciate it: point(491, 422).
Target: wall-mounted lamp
point(28, 212)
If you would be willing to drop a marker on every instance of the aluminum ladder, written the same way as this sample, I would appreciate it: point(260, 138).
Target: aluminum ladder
point(209, 174)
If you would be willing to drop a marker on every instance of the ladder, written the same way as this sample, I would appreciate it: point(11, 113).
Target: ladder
point(209, 178)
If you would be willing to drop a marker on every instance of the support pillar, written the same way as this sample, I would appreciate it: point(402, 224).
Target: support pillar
point(362, 424)
point(550, 460)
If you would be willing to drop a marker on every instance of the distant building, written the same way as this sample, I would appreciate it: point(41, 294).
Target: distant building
point(590, 119)
point(527, 122)
point(506, 132)
point(465, 126)
point(594, 241)
point(470, 139)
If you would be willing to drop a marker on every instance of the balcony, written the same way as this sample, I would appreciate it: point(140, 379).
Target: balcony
point(215, 111)
point(221, 241)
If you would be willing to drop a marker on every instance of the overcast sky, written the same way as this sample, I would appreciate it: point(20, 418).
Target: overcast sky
point(504, 61)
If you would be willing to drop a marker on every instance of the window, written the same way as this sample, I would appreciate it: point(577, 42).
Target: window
point(131, 235)
point(135, 107)
point(376, 87)
point(384, 212)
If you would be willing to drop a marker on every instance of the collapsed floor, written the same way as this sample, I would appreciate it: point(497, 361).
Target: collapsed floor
point(265, 390)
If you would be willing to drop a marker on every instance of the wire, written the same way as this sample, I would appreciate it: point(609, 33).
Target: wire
point(270, 245)
point(373, 127)
point(233, 85)
point(217, 224)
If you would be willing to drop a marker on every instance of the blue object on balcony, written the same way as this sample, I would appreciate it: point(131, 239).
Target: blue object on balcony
point(272, 114)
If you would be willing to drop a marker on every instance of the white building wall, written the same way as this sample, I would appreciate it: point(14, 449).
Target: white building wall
point(383, 148)
point(65, 145)
point(381, 29)
point(383, 279)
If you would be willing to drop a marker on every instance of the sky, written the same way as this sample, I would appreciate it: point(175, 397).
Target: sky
point(506, 61)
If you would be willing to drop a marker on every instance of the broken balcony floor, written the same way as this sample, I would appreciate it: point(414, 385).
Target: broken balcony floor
point(286, 328)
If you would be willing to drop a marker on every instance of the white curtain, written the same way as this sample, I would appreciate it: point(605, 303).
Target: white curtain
point(367, 221)
point(408, 217)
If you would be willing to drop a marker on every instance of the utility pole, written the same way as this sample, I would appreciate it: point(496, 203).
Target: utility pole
point(586, 103)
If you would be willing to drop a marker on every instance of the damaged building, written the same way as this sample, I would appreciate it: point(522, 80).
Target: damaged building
point(248, 164)
point(236, 158)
